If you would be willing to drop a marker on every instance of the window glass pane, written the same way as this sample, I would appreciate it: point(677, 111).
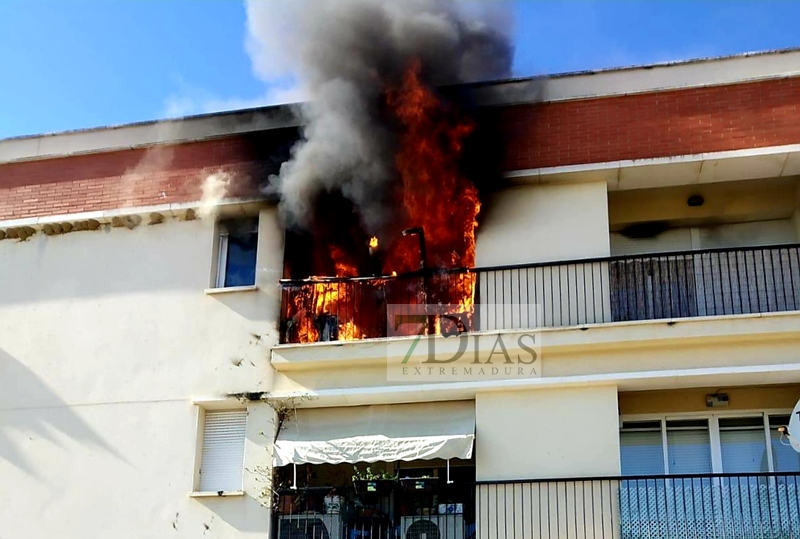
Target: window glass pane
point(688, 447)
point(784, 458)
point(240, 268)
point(743, 445)
point(641, 449)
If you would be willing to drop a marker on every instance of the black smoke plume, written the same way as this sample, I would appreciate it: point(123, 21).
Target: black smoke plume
point(344, 54)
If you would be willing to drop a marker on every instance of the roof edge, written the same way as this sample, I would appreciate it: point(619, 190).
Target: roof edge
point(148, 133)
point(663, 76)
point(633, 67)
point(658, 77)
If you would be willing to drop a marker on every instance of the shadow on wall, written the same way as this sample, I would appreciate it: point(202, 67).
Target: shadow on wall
point(24, 426)
point(244, 514)
point(256, 306)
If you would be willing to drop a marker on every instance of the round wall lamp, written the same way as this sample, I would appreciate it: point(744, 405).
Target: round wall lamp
point(695, 201)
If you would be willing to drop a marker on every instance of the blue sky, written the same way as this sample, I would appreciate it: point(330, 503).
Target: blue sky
point(70, 64)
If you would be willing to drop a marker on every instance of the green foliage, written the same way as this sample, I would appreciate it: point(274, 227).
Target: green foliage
point(369, 475)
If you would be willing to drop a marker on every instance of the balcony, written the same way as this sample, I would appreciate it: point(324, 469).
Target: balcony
point(735, 506)
point(713, 282)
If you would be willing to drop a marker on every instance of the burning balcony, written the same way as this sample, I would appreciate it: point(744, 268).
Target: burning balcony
point(349, 309)
point(714, 282)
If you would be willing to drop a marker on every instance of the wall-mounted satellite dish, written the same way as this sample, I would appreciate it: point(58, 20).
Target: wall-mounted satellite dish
point(794, 428)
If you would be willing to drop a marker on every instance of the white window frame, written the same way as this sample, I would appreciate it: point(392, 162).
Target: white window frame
point(222, 257)
point(222, 252)
point(713, 430)
point(202, 409)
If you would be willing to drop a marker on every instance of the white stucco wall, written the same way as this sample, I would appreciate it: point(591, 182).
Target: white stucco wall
point(549, 433)
point(105, 338)
point(545, 223)
point(546, 434)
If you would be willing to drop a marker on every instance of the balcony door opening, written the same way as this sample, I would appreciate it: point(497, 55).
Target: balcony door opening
point(735, 249)
point(378, 500)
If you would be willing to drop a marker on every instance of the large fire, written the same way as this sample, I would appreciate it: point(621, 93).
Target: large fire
point(434, 194)
point(433, 232)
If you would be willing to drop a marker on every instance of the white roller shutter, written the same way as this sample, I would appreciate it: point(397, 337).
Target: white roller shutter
point(222, 460)
point(743, 445)
point(689, 446)
point(641, 449)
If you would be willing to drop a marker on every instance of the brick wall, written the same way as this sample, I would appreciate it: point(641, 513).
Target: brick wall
point(142, 177)
point(659, 124)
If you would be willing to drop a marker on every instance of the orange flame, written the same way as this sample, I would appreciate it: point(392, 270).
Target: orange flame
point(344, 267)
point(433, 195)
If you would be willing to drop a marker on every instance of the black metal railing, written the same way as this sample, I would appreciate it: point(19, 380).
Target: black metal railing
point(385, 512)
point(732, 506)
point(642, 287)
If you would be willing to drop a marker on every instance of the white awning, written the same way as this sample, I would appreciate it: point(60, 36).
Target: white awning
point(388, 433)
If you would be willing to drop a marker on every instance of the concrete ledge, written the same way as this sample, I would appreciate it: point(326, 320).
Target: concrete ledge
point(53, 225)
point(230, 290)
point(646, 334)
point(220, 494)
point(631, 381)
point(219, 403)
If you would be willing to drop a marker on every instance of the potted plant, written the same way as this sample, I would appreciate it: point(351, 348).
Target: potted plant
point(373, 482)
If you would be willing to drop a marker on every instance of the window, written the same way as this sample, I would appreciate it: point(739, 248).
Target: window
point(784, 458)
point(222, 457)
point(688, 446)
point(236, 263)
point(642, 448)
point(715, 443)
point(743, 445)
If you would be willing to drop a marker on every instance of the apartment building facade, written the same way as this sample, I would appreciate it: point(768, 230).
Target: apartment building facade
point(620, 367)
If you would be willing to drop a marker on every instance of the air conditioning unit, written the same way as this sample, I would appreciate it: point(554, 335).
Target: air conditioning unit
point(310, 526)
point(432, 527)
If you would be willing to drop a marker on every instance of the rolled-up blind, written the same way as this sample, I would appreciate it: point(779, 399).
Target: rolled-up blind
point(743, 445)
point(688, 446)
point(641, 448)
point(222, 460)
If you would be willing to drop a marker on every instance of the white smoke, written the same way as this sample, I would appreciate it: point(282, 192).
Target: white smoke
point(215, 189)
point(342, 54)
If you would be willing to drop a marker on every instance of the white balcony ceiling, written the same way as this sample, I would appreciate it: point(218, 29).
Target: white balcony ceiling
point(770, 162)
